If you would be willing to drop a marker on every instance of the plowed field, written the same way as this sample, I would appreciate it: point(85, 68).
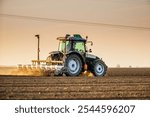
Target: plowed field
point(109, 87)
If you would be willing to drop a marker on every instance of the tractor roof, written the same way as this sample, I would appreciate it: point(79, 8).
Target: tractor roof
point(75, 37)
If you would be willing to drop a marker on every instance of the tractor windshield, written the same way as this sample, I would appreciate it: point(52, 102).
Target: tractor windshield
point(64, 45)
point(61, 46)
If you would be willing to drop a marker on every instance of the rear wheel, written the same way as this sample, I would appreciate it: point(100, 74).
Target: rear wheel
point(73, 65)
point(99, 68)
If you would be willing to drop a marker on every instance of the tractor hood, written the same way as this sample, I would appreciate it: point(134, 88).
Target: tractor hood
point(54, 52)
point(56, 55)
point(91, 56)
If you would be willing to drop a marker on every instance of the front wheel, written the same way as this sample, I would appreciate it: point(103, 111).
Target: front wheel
point(99, 68)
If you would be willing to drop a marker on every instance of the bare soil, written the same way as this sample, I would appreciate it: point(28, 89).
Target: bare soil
point(109, 87)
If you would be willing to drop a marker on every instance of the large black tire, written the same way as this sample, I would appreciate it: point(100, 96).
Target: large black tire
point(98, 68)
point(73, 65)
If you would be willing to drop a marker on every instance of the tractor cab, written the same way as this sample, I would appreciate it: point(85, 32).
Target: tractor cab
point(70, 43)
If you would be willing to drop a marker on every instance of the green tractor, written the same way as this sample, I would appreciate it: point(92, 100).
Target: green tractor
point(73, 58)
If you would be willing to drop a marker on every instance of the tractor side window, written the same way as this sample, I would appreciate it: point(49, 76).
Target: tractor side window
point(79, 46)
point(62, 46)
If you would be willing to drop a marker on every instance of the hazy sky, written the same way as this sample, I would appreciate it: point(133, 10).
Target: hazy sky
point(126, 41)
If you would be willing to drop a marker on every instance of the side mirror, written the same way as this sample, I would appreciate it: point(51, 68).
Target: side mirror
point(86, 37)
point(90, 50)
point(90, 42)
